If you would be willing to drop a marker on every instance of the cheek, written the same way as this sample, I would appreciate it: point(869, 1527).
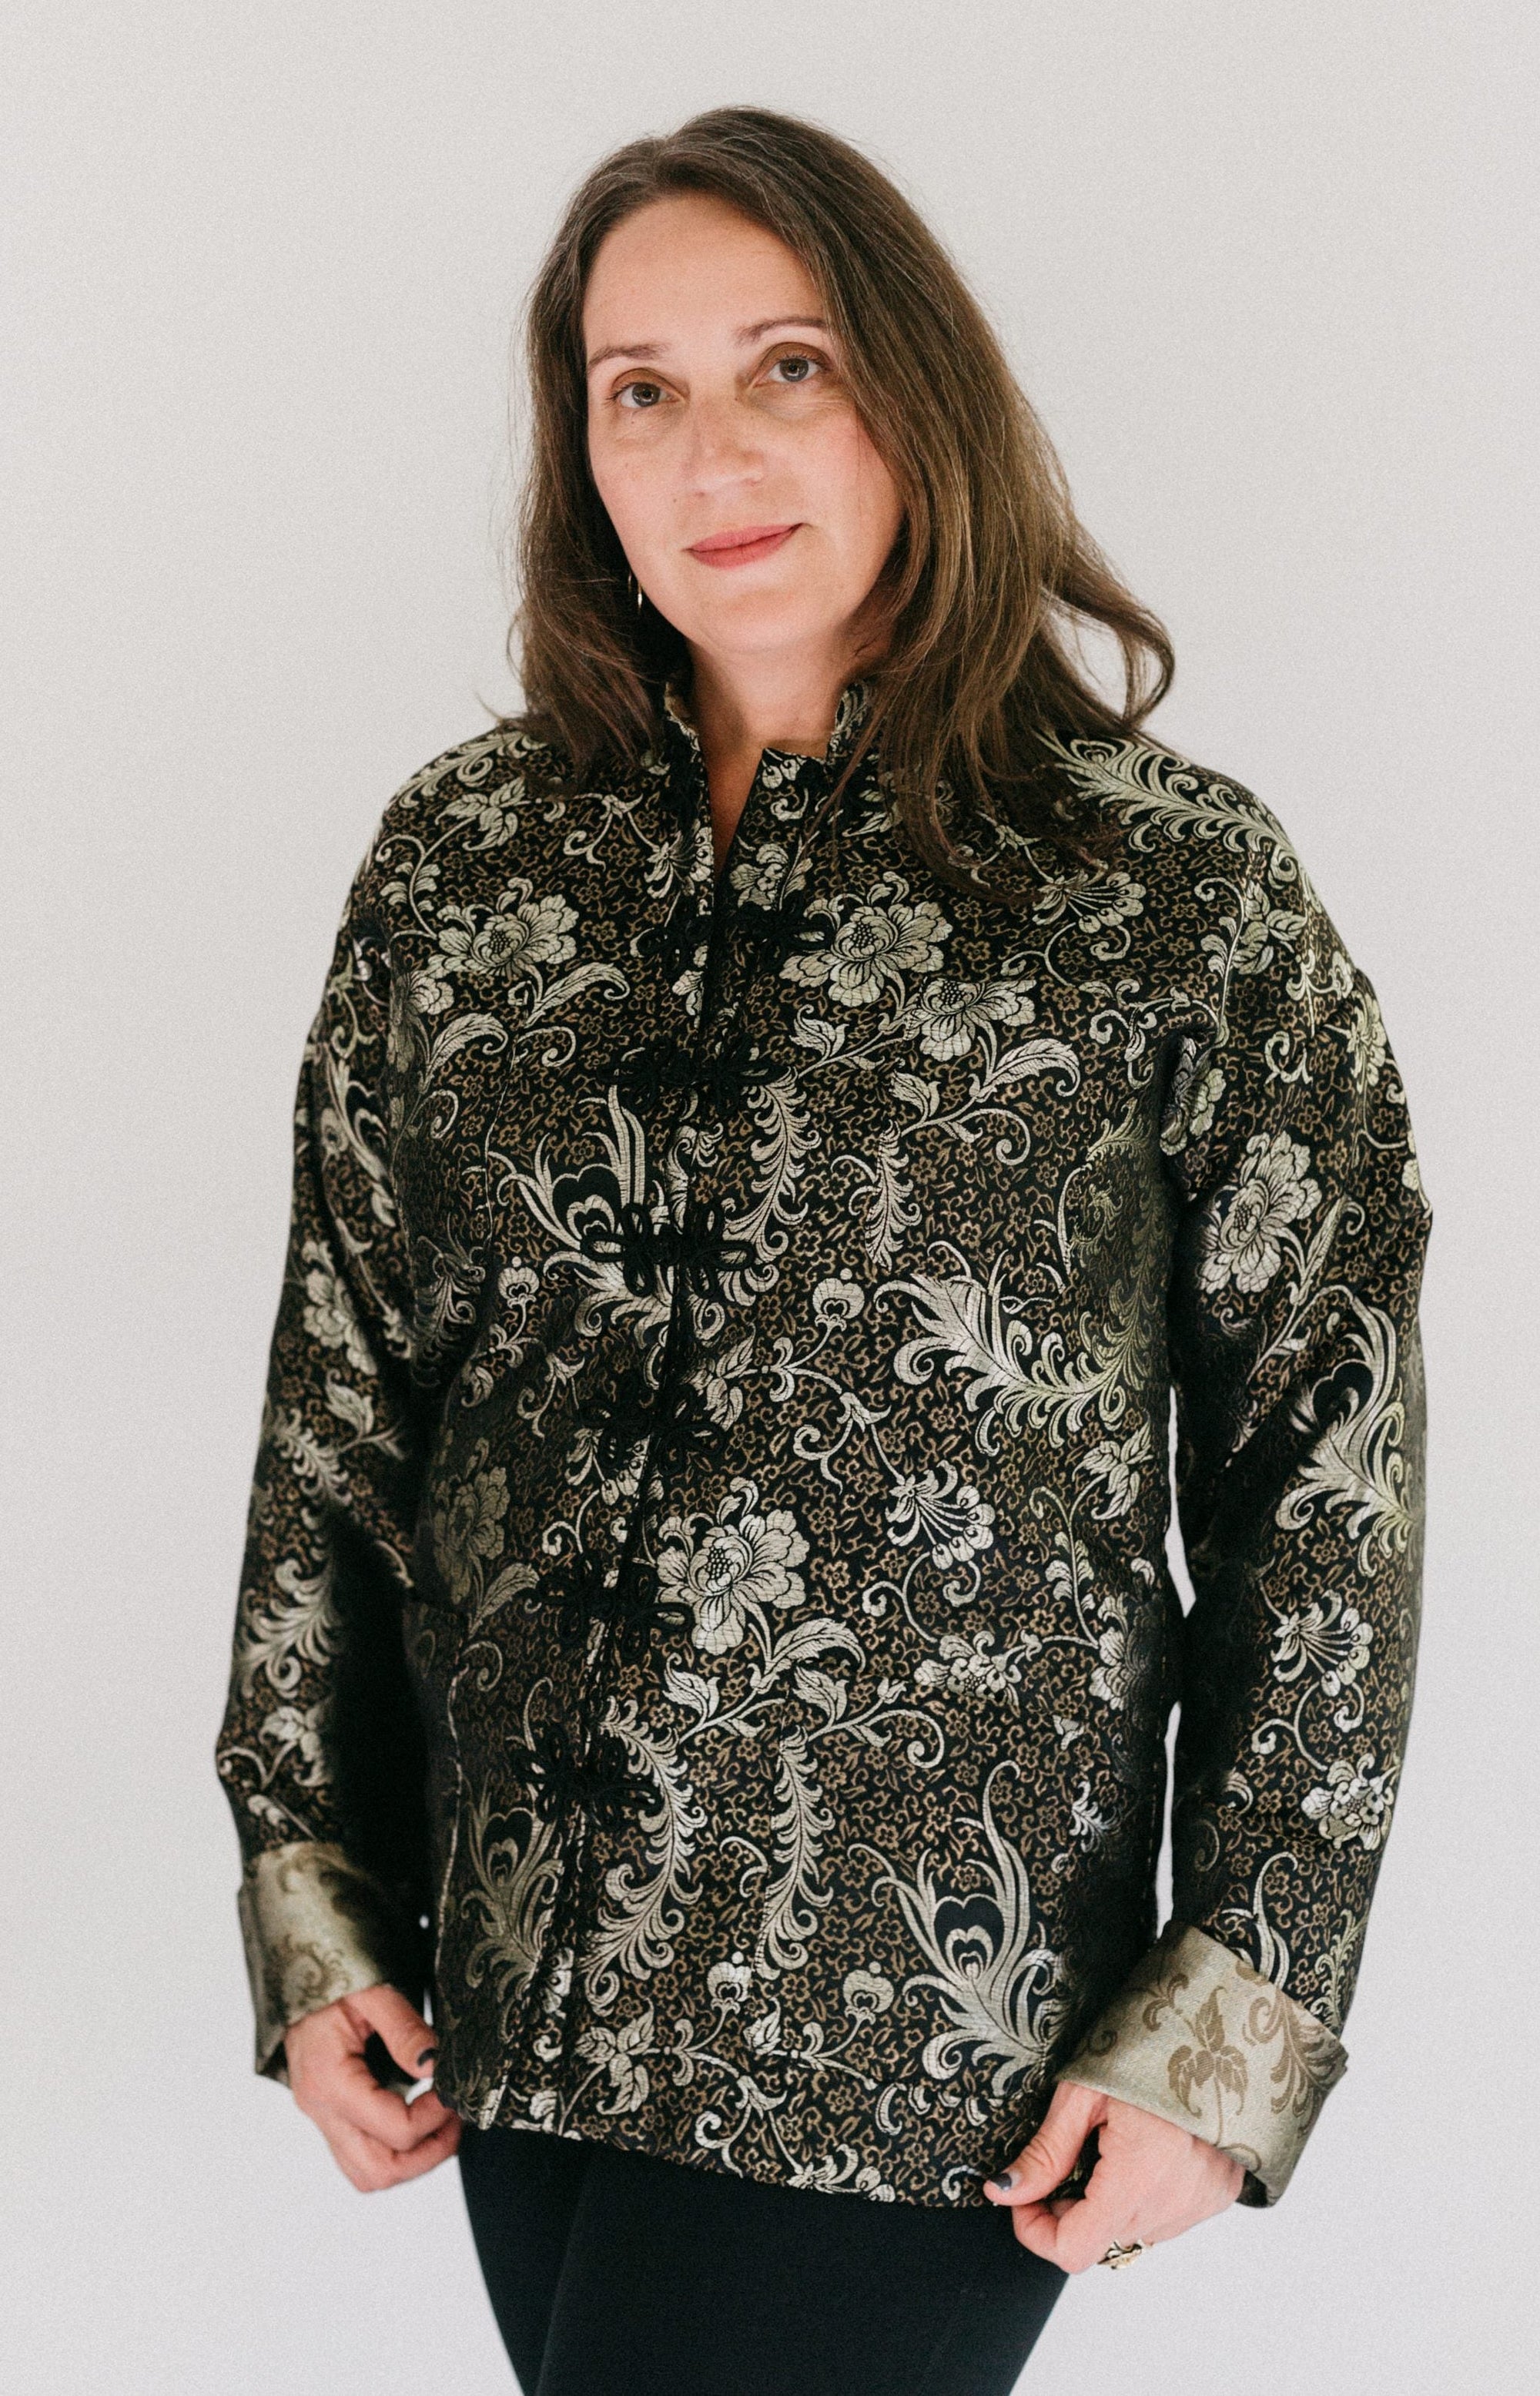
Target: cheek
point(629, 492)
point(863, 499)
point(881, 503)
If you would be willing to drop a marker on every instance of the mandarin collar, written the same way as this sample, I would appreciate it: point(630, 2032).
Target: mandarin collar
point(851, 713)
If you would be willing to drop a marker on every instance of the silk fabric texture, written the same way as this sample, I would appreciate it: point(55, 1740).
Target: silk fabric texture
point(706, 1612)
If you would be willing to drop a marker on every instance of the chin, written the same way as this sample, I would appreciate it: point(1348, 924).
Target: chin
point(755, 623)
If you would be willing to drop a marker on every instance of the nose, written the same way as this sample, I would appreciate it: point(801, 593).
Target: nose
point(724, 448)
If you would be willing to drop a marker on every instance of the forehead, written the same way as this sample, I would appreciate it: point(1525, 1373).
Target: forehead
point(687, 265)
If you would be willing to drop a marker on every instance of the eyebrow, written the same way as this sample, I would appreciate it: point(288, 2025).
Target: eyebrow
point(745, 334)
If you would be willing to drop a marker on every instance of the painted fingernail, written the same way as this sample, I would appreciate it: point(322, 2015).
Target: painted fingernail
point(1003, 2182)
point(426, 2058)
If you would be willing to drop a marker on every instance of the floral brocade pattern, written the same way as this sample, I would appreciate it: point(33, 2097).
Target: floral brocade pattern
point(705, 1611)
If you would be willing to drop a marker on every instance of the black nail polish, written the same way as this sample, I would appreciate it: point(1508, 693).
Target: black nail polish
point(426, 2058)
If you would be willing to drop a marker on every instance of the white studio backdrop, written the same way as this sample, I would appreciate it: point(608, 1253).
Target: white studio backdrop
point(1267, 273)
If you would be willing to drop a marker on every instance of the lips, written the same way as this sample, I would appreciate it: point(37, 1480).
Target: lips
point(743, 545)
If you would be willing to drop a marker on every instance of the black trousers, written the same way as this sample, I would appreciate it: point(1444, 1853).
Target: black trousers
point(616, 2274)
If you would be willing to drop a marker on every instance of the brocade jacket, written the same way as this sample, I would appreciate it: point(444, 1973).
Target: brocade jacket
point(706, 1620)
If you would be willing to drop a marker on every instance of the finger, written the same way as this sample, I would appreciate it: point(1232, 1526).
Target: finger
point(351, 2090)
point(1076, 2231)
point(329, 2074)
point(429, 2153)
point(1037, 2229)
point(363, 2160)
point(387, 2165)
point(1112, 2209)
point(1085, 2234)
point(1052, 2153)
point(409, 2041)
point(371, 2166)
point(1075, 2238)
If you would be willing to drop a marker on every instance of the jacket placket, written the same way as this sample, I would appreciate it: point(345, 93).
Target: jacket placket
point(608, 1613)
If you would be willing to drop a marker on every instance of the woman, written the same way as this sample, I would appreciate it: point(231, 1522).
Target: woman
point(785, 1115)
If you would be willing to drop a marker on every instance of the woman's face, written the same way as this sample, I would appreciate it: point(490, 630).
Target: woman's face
point(754, 509)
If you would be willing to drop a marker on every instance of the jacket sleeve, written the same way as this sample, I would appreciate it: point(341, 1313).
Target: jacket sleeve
point(320, 1748)
point(1296, 1361)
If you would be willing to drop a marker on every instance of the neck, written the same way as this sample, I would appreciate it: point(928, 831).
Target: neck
point(740, 707)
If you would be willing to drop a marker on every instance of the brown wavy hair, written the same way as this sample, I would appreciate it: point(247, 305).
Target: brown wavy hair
point(993, 574)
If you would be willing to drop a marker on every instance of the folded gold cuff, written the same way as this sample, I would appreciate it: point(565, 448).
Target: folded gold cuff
point(315, 1928)
point(1198, 2036)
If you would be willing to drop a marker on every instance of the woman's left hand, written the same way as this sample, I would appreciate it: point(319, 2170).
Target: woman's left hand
point(1151, 2180)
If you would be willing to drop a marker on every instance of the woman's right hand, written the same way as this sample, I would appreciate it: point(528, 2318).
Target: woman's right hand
point(376, 2138)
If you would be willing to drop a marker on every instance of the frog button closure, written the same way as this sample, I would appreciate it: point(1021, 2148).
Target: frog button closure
point(580, 1591)
point(598, 1784)
point(673, 1415)
point(658, 1068)
point(674, 944)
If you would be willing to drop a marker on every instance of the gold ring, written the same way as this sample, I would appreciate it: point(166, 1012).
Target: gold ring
point(1116, 2255)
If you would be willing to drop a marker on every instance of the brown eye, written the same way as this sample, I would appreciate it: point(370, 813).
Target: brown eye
point(640, 394)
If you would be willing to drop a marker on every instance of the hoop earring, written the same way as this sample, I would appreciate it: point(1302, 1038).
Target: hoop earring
point(632, 584)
